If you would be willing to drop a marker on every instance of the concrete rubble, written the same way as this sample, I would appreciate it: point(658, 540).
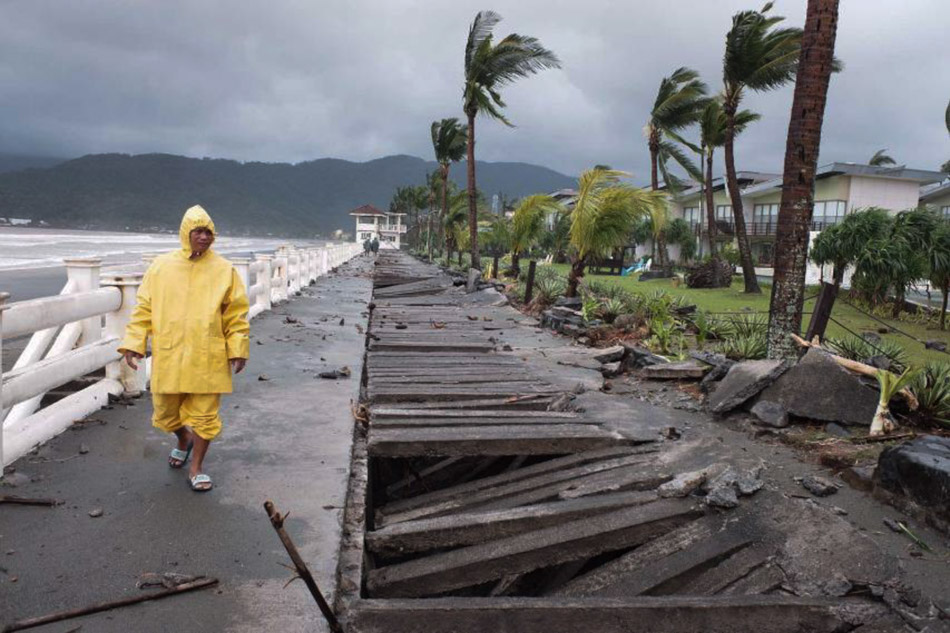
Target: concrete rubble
point(744, 381)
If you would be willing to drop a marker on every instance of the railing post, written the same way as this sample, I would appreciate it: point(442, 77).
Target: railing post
point(3, 298)
point(84, 273)
point(133, 381)
point(242, 266)
point(264, 278)
point(312, 262)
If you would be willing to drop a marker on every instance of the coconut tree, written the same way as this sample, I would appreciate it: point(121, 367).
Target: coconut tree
point(798, 182)
point(938, 264)
point(490, 66)
point(605, 213)
point(448, 142)
point(454, 225)
point(880, 158)
point(759, 57)
point(679, 103)
point(712, 134)
point(527, 224)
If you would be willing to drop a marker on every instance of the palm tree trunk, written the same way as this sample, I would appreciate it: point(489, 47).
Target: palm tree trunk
point(659, 242)
point(745, 252)
point(472, 198)
point(801, 160)
point(943, 312)
point(838, 275)
point(575, 275)
point(710, 209)
point(515, 263)
point(445, 207)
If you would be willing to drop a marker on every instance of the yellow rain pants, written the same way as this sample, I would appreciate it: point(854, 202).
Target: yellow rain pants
point(171, 411)
point(195, 311)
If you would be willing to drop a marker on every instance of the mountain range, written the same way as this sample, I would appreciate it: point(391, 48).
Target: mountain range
point(150, 191)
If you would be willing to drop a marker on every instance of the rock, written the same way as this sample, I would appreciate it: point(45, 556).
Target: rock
point(859, 477)
point(683, 484)
point(743, 381)
point(95, 513)
point(83, 449)
point(837, 430)
point(609, 354)
point(720, 476)
point(770, 414)
point(473, 276)
point(879, 361)
point(838, 586)
point(686, 370)
point(342, 372)
point(819, 486)
point(818, 388)
point(871, 337)
point(636, 357)
point(750, 482)
point(575, 303)
point(263, 378)
point(716, 360)
point(892, 525)
point(918, 470)
point(625, 321)
point(722, 497)
point(610, 370)
point(940, 346)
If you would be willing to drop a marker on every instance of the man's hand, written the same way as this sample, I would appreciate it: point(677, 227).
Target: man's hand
point(131, 357)
point(237, 364)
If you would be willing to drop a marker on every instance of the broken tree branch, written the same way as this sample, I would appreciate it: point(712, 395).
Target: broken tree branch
point(858, 368)
point(27, 501)
point(29, 623)
point(277, 520)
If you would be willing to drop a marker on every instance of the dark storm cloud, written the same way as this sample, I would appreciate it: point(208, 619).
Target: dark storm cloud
point(291, 80)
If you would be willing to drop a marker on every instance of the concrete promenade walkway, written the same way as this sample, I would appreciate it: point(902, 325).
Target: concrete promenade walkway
point(287, 437)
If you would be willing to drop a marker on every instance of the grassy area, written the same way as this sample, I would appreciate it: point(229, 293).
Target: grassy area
point(733, 300)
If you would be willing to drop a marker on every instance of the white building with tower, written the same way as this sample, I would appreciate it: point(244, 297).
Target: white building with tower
point(385, 226)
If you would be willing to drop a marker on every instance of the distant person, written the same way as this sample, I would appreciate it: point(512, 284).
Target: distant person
point(367, 246)
point(193, 305)
point(375, 245)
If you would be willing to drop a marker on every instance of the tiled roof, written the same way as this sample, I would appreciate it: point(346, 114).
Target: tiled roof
point(368, 209)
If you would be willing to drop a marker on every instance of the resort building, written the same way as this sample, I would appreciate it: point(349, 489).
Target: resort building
point(840, 188)
point(384, 226)
point(938, 197)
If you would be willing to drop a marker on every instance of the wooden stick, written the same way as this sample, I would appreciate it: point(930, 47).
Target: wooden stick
point(59, 616)
point(859, 368)
point(277, 520)
point(870, 439)
point(26, 501)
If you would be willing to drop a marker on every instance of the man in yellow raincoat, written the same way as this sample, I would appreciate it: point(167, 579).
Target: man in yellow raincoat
point(193, 305)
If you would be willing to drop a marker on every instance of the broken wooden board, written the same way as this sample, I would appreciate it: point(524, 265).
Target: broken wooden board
point(456, 421)
point(687, 370)
point(385, 413)
point(476, 564)
point(665, 614)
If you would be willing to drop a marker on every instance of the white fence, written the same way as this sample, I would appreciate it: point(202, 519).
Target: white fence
point(76, 333)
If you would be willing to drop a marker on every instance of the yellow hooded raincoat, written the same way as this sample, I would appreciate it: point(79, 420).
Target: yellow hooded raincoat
point(195, 310)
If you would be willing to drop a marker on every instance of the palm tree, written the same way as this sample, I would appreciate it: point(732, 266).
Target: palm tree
point(798, 182)
point(527, 225)
point(448, 142)
point(881, 158)
point(679, 103)
point(759, 57)
point(488, 68)
point(841, 244)
point(712, 134)
point(604, 215)
point(938, 262)
point(453, 224)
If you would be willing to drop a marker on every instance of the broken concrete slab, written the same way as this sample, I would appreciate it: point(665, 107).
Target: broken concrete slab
point(683, 484)
point(818, 388)
point(916, 476)
point(660, 614)
point(744, 381)
point(611, 370)
point(637, 357)
point(770, 414)
point(686, 370)
point(476, 564)
point(609, 354)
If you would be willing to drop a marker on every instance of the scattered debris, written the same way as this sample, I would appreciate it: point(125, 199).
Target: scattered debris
point(342, 372)
point(750, 482)
point(27, 501)
point(610, 370)
point(744, 381)
point(683, 484)
point(342, 321)
point(637, 357)
point(168, 580)
point(722, 497)
point(95, 513)
point(686, 370)
point(819, 486)
point(290, 319)
point(770, 414)
point(610, 354)
point(263, 378)
point(83, 449)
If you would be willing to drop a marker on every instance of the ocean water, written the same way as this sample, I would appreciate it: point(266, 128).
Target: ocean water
point(29, 248)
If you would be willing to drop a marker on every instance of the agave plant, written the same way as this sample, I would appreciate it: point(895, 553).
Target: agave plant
point(548, 289)
point(859, 349)
point(932, 390)
point(890, 384)
point(748, 325)
point(609, 309)
point(751, 346)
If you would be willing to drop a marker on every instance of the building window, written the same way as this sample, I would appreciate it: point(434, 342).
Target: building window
point(828, 213)
point(945, 212)
point(724, 213)
point(691, 215)
point(765, 215)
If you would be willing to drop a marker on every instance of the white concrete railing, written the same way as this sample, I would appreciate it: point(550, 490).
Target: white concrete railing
point(75, 334)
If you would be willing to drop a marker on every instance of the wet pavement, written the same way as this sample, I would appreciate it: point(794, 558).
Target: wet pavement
point(287, 437)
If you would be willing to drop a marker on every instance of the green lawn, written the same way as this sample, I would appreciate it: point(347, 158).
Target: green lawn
point(733, 300)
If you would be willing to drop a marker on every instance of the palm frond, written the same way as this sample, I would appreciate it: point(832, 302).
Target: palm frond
point(479, 34)
point(880, 158)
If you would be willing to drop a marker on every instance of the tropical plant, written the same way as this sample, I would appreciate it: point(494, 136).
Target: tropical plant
point(548, 289)
point(603, 217)
point(490, 66)
point(747, 324)
point(880, 158)
point(610, 309)
point(453, 223)
point(556, 241)
point(662, 334)
point(860, 349)
point(932, 390)
point(759, 57)
point(448, 143)
point(527, 224)
point(745, 347)
point(589, 307)
point(841, 244)
point(889, 384)
point(938, 265)
point(679, 233)
point(679, 102)
point(499, 236)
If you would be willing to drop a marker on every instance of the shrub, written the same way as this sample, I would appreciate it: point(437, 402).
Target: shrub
point(932, 389)
point(610, 309)
point(730, 253)
point(746, 325)
point(859, 349)
point(548, 289)
point(745, 346)
point(708, 327)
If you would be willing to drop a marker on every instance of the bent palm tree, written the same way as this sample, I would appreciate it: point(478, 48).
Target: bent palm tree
point(448, 142)
point(712, 134)
point(679, 103)
point(880, 158)
point(488, 68)
point(758, 57)
point(527, 225)
point(605, 213)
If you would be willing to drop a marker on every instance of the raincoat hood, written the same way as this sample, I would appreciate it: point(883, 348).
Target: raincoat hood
point(195, 218)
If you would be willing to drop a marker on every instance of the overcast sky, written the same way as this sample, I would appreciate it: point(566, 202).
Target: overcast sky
point(293, 80)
